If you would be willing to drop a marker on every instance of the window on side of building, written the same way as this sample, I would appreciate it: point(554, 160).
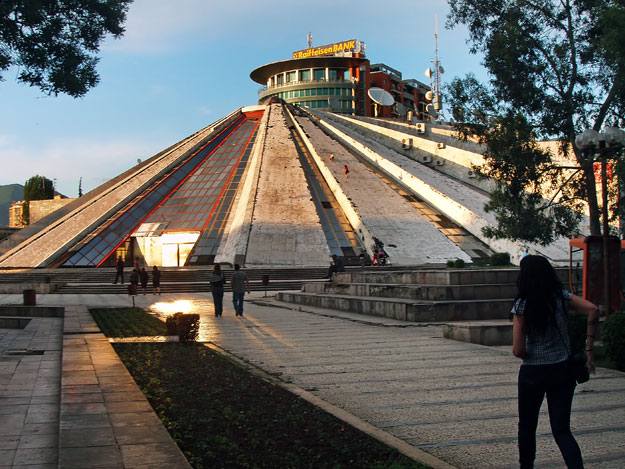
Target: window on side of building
point(291, 76)
point(304, 75)
point(319, 74)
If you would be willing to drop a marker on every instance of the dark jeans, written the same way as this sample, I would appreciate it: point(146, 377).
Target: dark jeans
point(554, 381)
point(218, 299)
point(237, 301)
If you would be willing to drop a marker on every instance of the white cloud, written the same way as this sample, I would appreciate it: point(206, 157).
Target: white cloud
point(66, 161)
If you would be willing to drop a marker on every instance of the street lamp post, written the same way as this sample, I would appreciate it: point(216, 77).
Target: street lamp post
point(606, 144)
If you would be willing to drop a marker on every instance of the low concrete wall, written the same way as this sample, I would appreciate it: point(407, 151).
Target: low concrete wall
point(43, 288)
point(33, 311)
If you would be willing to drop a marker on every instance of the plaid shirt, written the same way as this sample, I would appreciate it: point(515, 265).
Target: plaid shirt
point(551, 347)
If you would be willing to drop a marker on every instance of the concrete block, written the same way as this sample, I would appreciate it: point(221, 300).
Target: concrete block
point(493, 333)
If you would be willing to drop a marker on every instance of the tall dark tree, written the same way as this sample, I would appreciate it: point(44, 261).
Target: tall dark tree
point(556, 67)
point(36, 188)
point(54, 43)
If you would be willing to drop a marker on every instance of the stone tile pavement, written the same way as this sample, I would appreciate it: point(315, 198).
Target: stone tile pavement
point(74, 405)
point(453, 400)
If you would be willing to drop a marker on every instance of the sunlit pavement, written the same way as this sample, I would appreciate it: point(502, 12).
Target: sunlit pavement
point(452, 399)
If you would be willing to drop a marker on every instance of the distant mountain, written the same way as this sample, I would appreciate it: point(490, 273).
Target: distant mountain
point(9, 194)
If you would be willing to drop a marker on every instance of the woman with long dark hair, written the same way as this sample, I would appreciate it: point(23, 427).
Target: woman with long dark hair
point(541, 339)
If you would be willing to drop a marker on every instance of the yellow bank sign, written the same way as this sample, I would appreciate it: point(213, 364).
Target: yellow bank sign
point(330, 49)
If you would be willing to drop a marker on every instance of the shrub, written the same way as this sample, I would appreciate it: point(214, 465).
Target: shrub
point(185, 326)
point(171, 324)
point(451, 263)
point(613, 335)
point(500, 259)
point(459, 263)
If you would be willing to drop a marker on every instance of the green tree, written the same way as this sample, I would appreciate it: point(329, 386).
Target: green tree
point(36, 188)
point(53, 43)
point(555, 68)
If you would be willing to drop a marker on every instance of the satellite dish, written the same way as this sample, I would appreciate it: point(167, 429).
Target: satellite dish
point(428, 72)
point(138, 160)
point(441, 69)
point(380, 96)
point(431, 111)
point(429, 96)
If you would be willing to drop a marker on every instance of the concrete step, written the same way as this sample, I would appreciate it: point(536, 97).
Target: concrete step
point(177, 287)
point(107, 275)
point(431, 277)
point(414, 292)
point(404, 309)
point(436, 277)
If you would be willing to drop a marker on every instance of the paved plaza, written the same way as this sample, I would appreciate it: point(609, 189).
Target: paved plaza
point(453, 400)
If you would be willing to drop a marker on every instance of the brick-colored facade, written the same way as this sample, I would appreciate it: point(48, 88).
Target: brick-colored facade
point(15, 215)
point(41, 208)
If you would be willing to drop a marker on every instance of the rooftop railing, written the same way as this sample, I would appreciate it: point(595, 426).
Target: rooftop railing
point(263, 89)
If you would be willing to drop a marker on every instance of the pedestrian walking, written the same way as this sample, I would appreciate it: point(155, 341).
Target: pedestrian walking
point(346, 169)
point(239, 282)
point(156, 280)
point(137, 264)
point(134, 282)
point(331, 156)
point(218, 281)
point(120, 270)
point(144, 277)
point(540, 338)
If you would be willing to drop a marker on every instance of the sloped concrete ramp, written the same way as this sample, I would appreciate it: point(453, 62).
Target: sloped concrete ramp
point(286, 229)
point(408, 236)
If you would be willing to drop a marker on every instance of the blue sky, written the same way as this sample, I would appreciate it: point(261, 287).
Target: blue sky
point(182, 65)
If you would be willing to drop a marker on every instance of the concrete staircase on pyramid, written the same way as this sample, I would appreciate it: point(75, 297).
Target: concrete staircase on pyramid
point(435, 295)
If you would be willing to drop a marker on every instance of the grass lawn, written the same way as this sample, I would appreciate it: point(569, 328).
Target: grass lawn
point(221, 415)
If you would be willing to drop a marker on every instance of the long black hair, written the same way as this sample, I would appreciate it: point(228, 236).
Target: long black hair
point(538, 284)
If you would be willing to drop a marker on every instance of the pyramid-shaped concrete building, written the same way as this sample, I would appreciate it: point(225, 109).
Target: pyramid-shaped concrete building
point(307, 173)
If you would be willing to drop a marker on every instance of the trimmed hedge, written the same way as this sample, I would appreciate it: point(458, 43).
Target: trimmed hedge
point(185, 326)
point(500, 259)
point(613, 336)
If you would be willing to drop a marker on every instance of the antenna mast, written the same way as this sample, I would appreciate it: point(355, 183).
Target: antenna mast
point(310, 40)
point(438, 69)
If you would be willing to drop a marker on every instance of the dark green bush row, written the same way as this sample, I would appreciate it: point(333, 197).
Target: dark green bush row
point(222, 416)
point(500, 259)
point(613, 336)
point(185, 326)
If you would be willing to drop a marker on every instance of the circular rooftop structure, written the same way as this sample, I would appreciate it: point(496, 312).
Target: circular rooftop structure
point(263, 73)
